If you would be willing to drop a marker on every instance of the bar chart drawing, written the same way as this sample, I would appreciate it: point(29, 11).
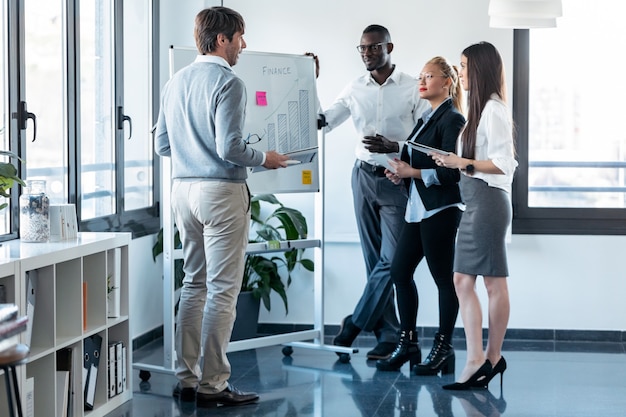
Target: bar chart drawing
point(292, 120)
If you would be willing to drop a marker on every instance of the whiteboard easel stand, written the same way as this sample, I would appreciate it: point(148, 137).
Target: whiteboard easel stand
point(290, 340)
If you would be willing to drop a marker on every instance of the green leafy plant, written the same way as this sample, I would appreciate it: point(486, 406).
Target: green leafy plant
point(110, 286)
point(8, 176)
point(262, 273)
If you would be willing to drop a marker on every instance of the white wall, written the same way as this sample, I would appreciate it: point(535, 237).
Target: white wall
point(557, 282)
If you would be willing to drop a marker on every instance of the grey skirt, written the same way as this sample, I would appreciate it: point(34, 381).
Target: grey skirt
point(481, 240)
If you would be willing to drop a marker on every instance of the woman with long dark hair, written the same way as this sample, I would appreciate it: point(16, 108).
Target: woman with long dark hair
point(487, 164)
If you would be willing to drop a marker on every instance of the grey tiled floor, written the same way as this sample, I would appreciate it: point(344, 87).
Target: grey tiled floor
point(566, 379)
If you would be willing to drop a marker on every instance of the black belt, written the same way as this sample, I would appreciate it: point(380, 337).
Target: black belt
point(377, 170)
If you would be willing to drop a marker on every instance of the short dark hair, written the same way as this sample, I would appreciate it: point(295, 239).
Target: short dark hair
point(378, 29)
point(213, 21)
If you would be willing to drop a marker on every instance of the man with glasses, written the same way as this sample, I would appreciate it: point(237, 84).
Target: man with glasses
point(383, 102)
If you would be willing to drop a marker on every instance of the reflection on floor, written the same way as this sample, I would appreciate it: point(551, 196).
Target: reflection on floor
point(570, 379)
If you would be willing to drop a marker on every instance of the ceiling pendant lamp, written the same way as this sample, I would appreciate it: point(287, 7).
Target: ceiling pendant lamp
point(524, 14)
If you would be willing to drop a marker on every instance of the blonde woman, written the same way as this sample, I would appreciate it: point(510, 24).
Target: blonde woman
point(431, 219)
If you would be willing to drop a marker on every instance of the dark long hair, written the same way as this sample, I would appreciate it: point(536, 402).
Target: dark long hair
point(485, 72)
point(213, 21)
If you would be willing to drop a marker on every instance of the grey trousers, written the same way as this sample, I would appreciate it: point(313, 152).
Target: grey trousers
point(379, 207)
point(213, 218)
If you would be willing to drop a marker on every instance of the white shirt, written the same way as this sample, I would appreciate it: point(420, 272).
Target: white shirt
point(494, 141)
point(415, 210)
point(391, 109)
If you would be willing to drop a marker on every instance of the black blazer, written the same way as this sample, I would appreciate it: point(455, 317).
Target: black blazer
point(441, 132)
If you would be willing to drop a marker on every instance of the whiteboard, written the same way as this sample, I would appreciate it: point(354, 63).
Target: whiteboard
point(281, 115)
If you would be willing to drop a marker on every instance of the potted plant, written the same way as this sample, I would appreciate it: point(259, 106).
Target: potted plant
point(263, 273)
point(8, 176)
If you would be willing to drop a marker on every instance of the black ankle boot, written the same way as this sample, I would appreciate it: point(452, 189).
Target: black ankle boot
point(441, 358)
point(407, 350)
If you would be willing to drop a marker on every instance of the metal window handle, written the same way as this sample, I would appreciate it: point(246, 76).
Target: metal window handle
point(121, 118)
point(22, 117)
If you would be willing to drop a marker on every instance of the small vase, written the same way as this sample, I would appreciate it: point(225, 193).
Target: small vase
point(34, 212)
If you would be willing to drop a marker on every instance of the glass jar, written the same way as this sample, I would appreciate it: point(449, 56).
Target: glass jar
point(34, 212)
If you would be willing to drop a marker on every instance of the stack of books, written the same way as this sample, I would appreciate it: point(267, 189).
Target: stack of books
point(10, 326)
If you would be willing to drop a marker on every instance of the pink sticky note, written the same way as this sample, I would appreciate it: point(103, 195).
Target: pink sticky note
point(261, 98)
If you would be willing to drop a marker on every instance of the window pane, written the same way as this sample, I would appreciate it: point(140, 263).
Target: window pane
point(577, 147)
point(97, 154)
point(5, 225)
point(138, 153)
point(46, 158)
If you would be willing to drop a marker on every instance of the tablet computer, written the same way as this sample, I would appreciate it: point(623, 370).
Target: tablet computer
point(383, 159)
point(426, 149)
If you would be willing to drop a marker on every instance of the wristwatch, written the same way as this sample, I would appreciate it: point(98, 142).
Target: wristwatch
point(469, 169)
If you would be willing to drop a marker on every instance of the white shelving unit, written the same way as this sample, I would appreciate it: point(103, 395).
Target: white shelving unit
point(62, 268)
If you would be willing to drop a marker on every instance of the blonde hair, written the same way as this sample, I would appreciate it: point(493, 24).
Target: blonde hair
point(451, 72)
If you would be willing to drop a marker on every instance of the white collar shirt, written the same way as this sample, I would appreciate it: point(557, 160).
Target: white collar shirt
point(391, 109)
point(494, 141)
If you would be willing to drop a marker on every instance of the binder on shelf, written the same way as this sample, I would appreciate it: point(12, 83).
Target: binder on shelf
point(123, 367)
point(63, 387)
point(111, 364)
point(64, 364)
point(113, 285)
point(28, 397)
point(87, 352)
point(31, 295)
point(92, 345)
point(119, 385)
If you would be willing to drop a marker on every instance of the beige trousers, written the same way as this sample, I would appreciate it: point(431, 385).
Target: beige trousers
point(213, 218)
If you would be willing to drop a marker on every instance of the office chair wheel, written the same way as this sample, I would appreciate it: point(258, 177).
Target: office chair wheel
point(144, 375)
point(344, 357)
point(287, 350)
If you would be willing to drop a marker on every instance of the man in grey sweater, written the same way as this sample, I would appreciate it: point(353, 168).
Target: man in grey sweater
point(200, 127)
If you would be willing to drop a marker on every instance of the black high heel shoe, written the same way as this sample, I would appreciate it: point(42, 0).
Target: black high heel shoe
point(478, 380)
point(499, 368)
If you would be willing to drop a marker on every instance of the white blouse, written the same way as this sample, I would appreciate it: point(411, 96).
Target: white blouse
point(494, 141)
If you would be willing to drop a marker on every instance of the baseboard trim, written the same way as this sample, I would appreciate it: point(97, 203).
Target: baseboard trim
point(145, 338)
point(367, 338)
point(548, 335)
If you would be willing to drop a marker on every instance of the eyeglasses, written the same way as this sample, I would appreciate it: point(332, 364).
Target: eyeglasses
point(428, 77)
point(253, 138)
point(375, 47)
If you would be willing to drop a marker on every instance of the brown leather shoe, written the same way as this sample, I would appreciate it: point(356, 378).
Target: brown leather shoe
point(230, 396)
